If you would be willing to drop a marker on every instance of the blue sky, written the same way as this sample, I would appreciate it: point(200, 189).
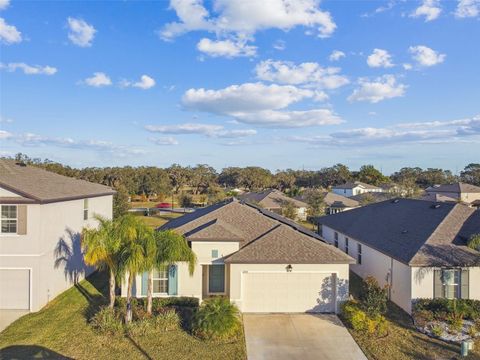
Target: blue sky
point(279, 84)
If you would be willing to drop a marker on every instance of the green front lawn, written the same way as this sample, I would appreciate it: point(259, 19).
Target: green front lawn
point(61, 329)
point(156, 221)
point(404, 341)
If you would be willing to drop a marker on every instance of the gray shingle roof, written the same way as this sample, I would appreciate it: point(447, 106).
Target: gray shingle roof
point(454, 188)
point(415, 232)
point(40, 186)
point(263, 237)
point(271, 199)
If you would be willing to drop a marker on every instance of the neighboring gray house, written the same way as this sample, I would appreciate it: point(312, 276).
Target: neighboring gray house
point(275, 200)
point(42, 216)
point(416, 247)
point(260, 260)
point(354, 188)
point(466, 193)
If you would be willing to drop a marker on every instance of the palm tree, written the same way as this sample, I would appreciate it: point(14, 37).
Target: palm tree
point(170, 247)
point(138, 245)
point(101, 249)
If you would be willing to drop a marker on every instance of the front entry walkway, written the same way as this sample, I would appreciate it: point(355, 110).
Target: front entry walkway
point(298, 336)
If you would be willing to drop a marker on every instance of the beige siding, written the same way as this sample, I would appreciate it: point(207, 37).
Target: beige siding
point(203, 250)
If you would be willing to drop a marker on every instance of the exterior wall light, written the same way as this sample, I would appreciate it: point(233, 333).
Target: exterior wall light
point(289, 268)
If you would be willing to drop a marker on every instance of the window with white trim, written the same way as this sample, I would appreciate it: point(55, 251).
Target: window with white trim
point(359, 254)
point(85, 209)
point(160, 280)
point(9, 219)
point(451, 283)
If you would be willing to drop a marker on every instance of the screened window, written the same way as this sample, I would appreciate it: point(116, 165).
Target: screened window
point(336, 239)
point(346, 245)
point(359, 255)
point(216, 279)
point(451, 283)
point(9, 219)
point(85, 209)
point(160, 280)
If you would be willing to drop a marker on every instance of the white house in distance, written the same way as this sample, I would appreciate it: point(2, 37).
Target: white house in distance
point(260, 260)
point(275, 200)
point(42, 216)
point(466, 193)
point(416, 247)
point(355, 188)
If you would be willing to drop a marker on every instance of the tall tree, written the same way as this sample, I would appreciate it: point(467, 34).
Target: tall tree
point(370, 175)
point(471, 174)
point(101, 248)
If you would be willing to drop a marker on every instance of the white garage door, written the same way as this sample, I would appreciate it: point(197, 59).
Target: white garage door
point(288, 292)
point(15, 289)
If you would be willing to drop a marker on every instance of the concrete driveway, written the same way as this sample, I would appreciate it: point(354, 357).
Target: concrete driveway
point(298, 336)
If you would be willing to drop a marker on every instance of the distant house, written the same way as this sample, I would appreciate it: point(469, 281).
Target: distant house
point(274, 200)
point(416, 247)
point(354, 188)
point(42, 216)
point(335, 203)
point(261, 261)
point(463, 192)
point(372, 197)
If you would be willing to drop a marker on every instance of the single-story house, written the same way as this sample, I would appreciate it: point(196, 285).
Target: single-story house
point(418, 248)
point(258, 259)
point(335, 203)
point(354, 188)
point(463, 192)
point(275, 200)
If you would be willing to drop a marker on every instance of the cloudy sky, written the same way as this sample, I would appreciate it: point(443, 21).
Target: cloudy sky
point(277, 83)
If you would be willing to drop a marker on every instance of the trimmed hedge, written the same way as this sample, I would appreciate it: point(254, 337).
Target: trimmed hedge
point(468, 307)
point(158, 303)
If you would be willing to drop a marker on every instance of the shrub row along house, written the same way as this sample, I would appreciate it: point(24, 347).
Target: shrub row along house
point(42, 216)
point(258, 259)
point(418, 248)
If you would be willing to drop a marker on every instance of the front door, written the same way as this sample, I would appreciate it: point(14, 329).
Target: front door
point(216, 279)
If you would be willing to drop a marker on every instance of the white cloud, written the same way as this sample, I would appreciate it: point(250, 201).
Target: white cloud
point(279, 45)
point(407, 66)
point(290, 119)
point(5, 135)
point(29, 69)
point(5, 120)
point(380, 58)
point(81, 33)
point(9, 33)
point(381, 88)
point(430, 9)
point(226, 48)
point(98, 79)
point(209, 130)
point(467, 8)
point(145, 83)
point(164, 141)
point(247, 17)
point(4, 4)
point(305, 73)
point(425, 56)
point(336, 55)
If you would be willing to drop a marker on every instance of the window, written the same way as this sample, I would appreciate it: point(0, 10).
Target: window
point(346, 245)
point(9, 219)
point(215, 253)
point(359, 254)
point(450, 283)
point(336, 239)
point(160, 280)
point(85, 209)
point(216, 279)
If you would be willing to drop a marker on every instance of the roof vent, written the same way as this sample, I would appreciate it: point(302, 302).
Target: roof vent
point(395, 201)
point(435, 206)
point(404, 231)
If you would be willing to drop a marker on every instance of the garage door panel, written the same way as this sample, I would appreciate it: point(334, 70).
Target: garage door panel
point(288, 292)
point(14, 289)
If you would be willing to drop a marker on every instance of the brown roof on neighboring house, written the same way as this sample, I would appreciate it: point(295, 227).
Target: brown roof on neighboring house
point(454, 188)
point(438, 198)
point(415, 232)
point(351, 185)
point(40, 186)
point(339, 201)
point(271, 199)
point(263, 237)
point(371, 197)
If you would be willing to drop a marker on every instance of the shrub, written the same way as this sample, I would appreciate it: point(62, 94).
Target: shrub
point(140, 327)
point(216, 318)
point(373, 297)
point(469, 307)
point(455, 323)
point(167, 320)
point(472, 331)
point(382, 326)
point(422, 317)
point(437, 330)
point(106, 321)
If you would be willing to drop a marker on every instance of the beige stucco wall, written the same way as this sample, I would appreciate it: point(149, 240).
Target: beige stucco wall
point(47, 226)
point(6, 193)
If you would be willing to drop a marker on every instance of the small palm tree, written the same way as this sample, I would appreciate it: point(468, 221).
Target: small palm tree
point(170, 247)
point(101, 249)
point(474, 242)
point(138, 245)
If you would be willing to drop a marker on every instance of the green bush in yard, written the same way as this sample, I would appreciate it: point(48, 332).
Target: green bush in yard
point(441, 308)
point(166, 320)
point(107, 321)
point(216, 318)
point(373, 297)
point(437, 330)
point(360, 321)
